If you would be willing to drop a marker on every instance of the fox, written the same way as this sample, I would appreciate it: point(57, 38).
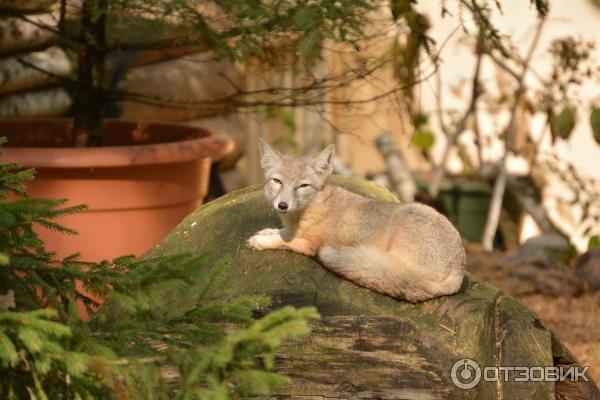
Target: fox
point(406, 251)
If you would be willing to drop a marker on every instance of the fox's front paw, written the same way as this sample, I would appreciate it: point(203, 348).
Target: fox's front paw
point(264, 241)
point(254, 243)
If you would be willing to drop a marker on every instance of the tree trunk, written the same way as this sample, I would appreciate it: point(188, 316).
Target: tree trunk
point(89, 96)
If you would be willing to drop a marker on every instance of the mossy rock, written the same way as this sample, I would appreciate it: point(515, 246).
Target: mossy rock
point(367, 345)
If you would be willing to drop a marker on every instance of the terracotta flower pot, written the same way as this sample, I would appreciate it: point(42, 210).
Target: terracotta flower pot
point(138, 186)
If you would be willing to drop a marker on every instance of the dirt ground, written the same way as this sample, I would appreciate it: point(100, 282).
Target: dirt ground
point(574, 320)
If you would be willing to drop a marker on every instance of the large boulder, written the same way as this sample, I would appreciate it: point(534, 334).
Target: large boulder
point(367, 345)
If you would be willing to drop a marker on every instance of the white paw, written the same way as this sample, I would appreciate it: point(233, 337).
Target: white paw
point(254, 243)
point(263, 241)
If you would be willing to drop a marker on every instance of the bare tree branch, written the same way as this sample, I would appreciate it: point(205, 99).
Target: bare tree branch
point(440, 170)
point(500, 185)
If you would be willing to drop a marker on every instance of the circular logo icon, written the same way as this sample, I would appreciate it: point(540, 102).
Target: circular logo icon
point(465, 373)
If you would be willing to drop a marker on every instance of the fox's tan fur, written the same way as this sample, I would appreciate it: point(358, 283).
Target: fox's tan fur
point(405, 251)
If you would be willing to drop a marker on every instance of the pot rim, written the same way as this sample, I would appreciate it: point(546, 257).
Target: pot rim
point(212, 145)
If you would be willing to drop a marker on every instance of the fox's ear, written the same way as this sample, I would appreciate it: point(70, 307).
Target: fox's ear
point(270, 158)
point(323, 163)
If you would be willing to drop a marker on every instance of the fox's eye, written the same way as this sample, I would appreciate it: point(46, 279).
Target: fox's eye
point(304, 185)
point(277, 181)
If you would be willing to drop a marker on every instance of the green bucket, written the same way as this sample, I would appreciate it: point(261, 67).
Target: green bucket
point(466, 204)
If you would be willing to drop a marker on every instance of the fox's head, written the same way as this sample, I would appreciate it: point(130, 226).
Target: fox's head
point(292, 183)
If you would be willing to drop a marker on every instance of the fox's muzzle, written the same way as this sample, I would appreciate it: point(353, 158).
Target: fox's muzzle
point(284, 201)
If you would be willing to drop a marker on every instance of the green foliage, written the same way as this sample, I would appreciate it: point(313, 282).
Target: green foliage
point(423, 140)
point(239, 359)
point(420, 119)
point(564, 123)
point(408, 50)
point(34, 357)
point(595, 123)
point(218, 350)
point(594, 243)
point(41, 354)
point(241, 29)
point(573, 66)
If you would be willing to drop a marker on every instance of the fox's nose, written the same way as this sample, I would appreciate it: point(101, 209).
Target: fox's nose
point(282, 206)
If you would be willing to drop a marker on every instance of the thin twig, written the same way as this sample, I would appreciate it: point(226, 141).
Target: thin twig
point(478, 136)
point(440, 170)
point(503, 65)
point(493, 217)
